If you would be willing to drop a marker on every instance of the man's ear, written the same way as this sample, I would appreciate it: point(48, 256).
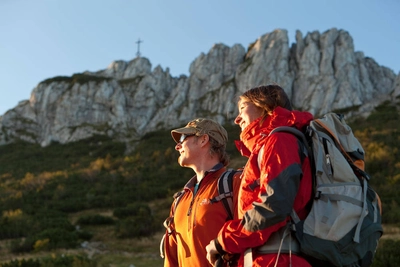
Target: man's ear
point(204, 139)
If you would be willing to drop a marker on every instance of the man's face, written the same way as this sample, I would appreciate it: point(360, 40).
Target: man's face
point(187, 148)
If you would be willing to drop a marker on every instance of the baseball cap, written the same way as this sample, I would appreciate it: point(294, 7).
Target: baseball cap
point(202, 126)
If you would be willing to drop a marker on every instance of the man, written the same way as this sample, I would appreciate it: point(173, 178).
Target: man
point(198, 213)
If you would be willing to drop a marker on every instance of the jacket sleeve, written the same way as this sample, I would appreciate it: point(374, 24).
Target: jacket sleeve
point(236, 186)
point(280, 172)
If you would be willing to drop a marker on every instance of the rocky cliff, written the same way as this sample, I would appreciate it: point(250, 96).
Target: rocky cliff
point(320, 71)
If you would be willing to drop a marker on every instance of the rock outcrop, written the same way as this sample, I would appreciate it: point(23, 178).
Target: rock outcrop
point(321, 73)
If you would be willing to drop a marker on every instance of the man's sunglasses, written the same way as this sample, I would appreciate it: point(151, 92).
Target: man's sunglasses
point(183, 137)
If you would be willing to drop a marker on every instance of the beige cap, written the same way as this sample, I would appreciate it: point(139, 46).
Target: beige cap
point(202, 126)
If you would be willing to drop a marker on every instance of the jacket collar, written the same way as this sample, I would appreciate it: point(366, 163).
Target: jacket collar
point(191, 183)
point(259, 129)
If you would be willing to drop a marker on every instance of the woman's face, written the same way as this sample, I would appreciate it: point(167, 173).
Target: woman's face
point(248, 112)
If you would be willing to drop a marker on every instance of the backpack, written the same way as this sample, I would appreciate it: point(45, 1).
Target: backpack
point(225, 191)
point(343, 226)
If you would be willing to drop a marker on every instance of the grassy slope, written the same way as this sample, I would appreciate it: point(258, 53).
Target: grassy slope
point(95, 177)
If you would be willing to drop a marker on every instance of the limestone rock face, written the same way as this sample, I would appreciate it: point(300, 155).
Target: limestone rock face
point(267, 61)
point(331, 76)
point(321, 72)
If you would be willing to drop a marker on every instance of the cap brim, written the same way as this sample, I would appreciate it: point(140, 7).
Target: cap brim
point(176, 134)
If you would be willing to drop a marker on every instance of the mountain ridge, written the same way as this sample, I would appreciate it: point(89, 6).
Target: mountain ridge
point(321, 72)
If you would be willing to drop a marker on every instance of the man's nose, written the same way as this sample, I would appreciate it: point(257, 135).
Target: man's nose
point(178, 146)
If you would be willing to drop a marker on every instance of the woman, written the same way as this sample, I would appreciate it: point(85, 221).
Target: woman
point(276, 179)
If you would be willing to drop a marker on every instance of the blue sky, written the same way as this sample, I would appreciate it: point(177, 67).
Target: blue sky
point(41, 39)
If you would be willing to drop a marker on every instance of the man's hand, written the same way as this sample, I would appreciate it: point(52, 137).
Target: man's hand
point(212, 253)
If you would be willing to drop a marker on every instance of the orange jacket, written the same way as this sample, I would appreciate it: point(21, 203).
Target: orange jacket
point(275, 179)
point(197, 221)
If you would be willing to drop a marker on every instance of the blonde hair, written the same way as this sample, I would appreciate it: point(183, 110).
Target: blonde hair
point(219, 150)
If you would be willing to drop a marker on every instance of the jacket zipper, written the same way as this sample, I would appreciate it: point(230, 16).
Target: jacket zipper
point(189, 213)
point(191, 218)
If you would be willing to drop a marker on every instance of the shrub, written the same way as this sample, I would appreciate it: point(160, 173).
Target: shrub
point(84, 235)
point(41, 245)
point(135, 227)
point(21, 246)
point(67, 261)
point(54, 261)
point(13, 227)
point(387, 254)
point(95, 220)
point(133, 209)
point(59, 238)
point(22, 263)
point(48, 239)
point(45, 219)
point(137, 221)
point(71, 205)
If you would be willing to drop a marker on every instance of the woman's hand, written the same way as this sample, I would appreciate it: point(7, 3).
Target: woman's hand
point(212, 253)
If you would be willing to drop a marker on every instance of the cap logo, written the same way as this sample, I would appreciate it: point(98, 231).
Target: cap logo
point(192, 124)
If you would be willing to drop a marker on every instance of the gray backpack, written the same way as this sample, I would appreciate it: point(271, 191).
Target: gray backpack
point(343, 226)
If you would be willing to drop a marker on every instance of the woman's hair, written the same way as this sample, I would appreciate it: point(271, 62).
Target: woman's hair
point(267, 97)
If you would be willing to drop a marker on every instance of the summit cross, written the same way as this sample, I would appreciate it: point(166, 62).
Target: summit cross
point(138, 43)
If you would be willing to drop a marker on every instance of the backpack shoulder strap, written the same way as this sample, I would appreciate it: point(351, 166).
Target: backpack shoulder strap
point(299, 134)
point(225, 191)
point(170, 220)
point(305, 140)
point(177, 198)
point(308, 151)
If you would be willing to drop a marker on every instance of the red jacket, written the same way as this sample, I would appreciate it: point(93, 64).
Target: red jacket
point(272, 183)
point(197, 221)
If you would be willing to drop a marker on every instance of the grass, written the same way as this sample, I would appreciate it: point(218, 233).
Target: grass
point(391, 231)
point(95, 177)
point(108, 251)
point(104, 247)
